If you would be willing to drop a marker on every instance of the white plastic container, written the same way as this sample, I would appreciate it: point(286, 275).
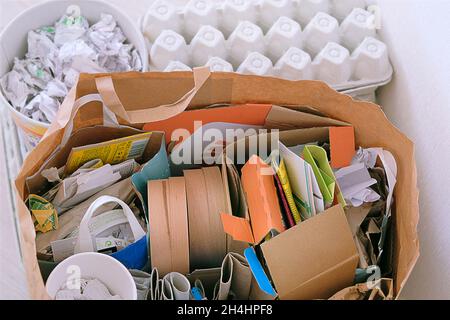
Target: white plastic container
point(371, 59)
point(208, 42)
point(246, 38)
point(160, 16)
point(93, 265)
point(256, 64)
point(198, 13)
point(271, 10)
point(217, 64)
point(14, 44)
point(307, 9)
point(295, 64)
point(177, 66)
point(169, 46)
point(333, 64)
point(234, 11)
point(320, 27)
point(357, 26)
point(321, 30)
point(284, 34)
point(341, 8)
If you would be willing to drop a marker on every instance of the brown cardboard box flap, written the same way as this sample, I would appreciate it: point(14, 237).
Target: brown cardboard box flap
point(314, 258)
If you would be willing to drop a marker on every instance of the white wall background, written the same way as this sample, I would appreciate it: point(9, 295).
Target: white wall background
point(418, 102)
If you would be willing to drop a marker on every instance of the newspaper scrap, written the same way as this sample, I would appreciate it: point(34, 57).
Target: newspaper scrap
point(37, 84)
point(45, 217)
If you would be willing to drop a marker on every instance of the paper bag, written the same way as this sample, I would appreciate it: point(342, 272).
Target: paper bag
point(140, 98)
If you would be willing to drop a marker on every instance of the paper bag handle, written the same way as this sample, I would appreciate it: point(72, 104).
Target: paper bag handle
point(109, 118)
point(84, 242)
point(105, 88)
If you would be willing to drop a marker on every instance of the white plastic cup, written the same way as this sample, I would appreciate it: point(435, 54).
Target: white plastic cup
point(208, 42)
point(285, 33)
point(160, 16)
point(246, 38)
point(177, 66)
point(356, 27)
point(322, 29)
point(256, 64)
point(217, 64)
point(14, 43)
point(371, 59)
point(234, 11)
point(333, 64)
point(295, 64)
point(169, 46)
point(88, 265)
point(341, 8)
point(271, 10)
point(198, 13)
point(307, 9)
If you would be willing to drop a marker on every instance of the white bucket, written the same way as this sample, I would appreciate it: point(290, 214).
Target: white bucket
point(13, 43)
point(102, 267)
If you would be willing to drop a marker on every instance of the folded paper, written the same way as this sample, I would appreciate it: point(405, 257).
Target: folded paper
point(264, 208)
point(318, 159)
point(305, 188)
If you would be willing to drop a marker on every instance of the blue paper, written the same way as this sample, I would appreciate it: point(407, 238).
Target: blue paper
point(135, 255)
point(156, 168)
point(258, 272)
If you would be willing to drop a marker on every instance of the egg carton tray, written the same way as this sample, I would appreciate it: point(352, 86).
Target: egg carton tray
point(330, 40)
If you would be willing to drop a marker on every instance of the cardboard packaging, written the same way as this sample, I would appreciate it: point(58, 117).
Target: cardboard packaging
point(139, 98)
point(314, 259)
point(311, 260)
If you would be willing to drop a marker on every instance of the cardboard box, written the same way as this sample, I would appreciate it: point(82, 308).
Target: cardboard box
point(314, 259)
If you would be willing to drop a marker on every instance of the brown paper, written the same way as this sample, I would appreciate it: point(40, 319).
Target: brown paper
point(71, 219)
point(168, 225)
point(139, 91)
point(205, 200)
point(379, 290)
point(322, 251)
point(235, 278)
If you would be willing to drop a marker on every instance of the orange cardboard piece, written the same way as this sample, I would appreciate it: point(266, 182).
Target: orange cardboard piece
point(242, 114)
point(342, 146)
point(238, 228)
point(264, 209)
point(168, 223)
point(259, 187)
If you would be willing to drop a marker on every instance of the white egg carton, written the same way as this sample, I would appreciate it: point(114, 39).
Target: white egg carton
point(330, 40)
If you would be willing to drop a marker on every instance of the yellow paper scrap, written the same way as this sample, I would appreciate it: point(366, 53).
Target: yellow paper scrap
point(45, 217)
point(112, 152)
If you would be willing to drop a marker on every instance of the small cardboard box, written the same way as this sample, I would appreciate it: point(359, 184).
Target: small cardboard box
point(314, 259)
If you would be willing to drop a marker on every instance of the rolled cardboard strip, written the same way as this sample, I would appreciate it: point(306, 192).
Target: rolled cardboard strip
point(168, 222)
point(205, 199)
point(181, 287)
